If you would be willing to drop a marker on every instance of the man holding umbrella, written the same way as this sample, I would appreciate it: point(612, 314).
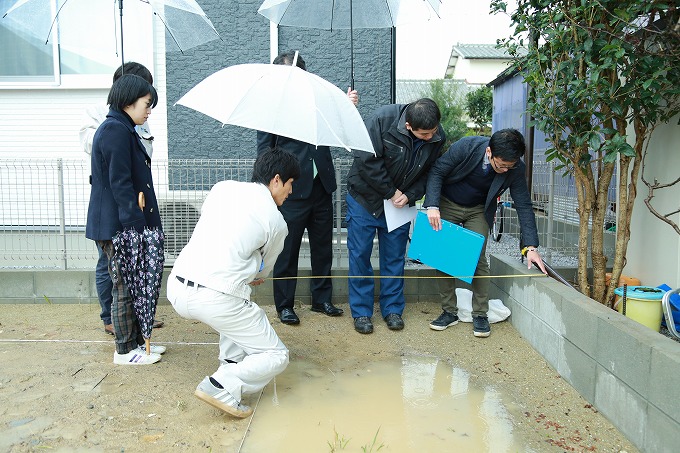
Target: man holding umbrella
point(233, 247)
point(310, 207)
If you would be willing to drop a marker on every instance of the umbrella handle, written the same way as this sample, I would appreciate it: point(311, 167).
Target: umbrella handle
point(141, 200)
point(147, 342)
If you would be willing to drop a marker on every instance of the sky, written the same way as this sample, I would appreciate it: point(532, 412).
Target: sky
point(424, 47)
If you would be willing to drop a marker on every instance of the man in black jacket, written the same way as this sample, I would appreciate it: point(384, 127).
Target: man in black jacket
point(407, 139)
point(310, 207)
point(463, 187)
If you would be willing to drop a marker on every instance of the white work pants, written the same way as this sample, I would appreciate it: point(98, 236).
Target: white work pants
point(246, 336)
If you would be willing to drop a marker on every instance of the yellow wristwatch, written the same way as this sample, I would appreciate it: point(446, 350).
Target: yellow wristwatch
point(527, 249)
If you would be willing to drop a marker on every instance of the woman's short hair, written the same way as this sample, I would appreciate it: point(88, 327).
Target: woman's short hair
point(275, 161)
point(127, 90)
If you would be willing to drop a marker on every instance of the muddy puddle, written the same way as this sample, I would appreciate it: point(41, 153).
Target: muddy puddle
point(410, 404)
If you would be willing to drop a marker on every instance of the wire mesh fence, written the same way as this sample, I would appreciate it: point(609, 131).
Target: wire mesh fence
point(44, 209)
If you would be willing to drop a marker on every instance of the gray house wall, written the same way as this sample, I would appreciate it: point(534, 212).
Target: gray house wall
point(245, 39)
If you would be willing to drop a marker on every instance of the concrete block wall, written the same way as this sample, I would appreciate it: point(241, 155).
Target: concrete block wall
point(26, 286)
point(415, 289)
point(627, 371)
point(245, 39)
point(79, 287)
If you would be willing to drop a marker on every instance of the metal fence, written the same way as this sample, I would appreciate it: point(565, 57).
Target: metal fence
point(44, 206)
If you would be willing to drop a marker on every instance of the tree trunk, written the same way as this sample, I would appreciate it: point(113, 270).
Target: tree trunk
point(585, 191)
point(598, 256)
point(628, 179)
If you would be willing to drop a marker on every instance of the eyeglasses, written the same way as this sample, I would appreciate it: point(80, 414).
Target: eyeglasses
point(504, 167)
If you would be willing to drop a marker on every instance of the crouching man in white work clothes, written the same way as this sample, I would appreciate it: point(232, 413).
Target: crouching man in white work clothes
point(234, 246)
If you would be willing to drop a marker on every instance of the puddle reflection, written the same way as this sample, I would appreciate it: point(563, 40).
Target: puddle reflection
point(413, 405)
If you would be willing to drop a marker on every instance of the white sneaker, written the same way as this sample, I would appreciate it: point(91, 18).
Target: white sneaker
point(155, 349)
point(221, 399)
point(135, 357)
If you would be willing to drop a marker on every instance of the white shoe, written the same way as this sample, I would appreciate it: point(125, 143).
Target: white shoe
point(221, 399)
point(155, 349)
point(135, 357)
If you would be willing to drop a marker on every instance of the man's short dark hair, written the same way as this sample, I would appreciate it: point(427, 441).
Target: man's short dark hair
point(127, 89)
point(134, 68)
point(275, 161)
point(287, 58)
point(507, 144)
point(423, 114)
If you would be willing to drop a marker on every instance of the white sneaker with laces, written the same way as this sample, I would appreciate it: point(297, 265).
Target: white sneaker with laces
point(221, 399)
point(155, 349)
point(135, 357)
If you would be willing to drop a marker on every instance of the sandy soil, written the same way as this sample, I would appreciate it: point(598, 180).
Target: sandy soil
point(61, 391)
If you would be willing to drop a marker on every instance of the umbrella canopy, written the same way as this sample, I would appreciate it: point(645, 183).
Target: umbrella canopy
point(140, 266)
point(185, 22)
point(346, 14)
point(282, 100)
point(335, 14)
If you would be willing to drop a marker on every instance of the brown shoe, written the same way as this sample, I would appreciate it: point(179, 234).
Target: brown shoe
point(158, 324)
point(108, 328)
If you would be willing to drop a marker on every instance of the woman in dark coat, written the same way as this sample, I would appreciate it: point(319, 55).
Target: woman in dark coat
point(122, 198)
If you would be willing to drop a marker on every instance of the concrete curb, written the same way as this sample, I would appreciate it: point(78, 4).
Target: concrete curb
point(627, 371)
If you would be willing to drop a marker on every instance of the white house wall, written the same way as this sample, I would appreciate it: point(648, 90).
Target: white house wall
point(654, 248)
point(479, 71)
point(44, 122)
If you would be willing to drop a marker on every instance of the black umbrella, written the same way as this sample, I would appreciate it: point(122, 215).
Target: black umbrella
point(343, 14)
point(140, 260)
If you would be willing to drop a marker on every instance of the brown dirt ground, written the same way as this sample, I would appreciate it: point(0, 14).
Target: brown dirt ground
point(61, 391)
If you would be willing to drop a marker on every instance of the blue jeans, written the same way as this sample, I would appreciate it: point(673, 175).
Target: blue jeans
point(104, 285)
point(361, 229)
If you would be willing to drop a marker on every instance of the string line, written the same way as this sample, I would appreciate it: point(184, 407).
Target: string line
point(303, 277)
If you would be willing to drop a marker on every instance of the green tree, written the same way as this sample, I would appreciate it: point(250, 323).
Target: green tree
point(479, 105)
point(602, 74)
point(448, 99)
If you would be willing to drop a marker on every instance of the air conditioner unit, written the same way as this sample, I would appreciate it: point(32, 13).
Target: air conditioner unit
point(180, 211)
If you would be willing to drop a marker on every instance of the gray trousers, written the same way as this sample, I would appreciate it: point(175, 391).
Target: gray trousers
point(123, 316)
point(472, 219)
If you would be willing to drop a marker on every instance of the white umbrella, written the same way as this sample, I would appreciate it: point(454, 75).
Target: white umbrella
point(346, 14)
point(186, 24)
point(282, 100)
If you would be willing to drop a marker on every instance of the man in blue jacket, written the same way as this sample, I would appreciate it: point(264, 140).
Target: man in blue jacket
point(407, 139)
point(463, 187)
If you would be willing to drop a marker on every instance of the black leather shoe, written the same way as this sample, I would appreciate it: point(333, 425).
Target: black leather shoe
point(363, 324)
point(394, 321)
point(327, 308)
point(288, 316)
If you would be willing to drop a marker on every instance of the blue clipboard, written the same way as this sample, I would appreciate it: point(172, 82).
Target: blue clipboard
point(453, 250)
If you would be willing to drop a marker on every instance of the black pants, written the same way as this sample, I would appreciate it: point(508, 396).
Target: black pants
point(315, 214)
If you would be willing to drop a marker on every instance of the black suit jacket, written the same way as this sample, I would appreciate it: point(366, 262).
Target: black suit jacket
point(306, 154)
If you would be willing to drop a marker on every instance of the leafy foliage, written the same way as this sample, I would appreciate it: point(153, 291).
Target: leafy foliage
point(479, 105)
point(448, 99)
point(602, 74)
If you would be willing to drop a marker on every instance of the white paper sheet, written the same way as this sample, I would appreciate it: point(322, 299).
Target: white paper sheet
point(396, 217)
